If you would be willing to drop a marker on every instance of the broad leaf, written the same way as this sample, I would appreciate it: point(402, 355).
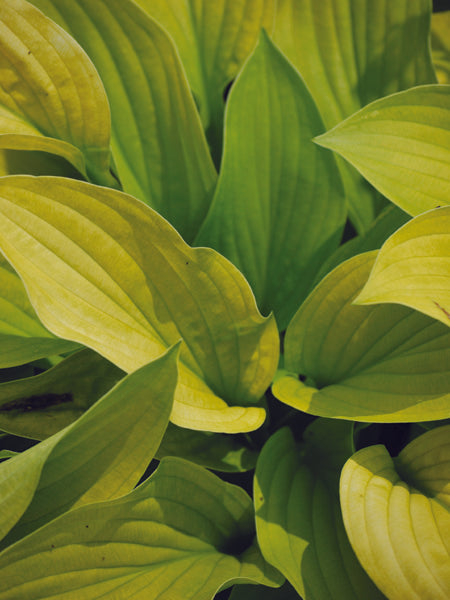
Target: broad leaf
point(51, 98)
point(258, 592)
point(23, 338)
point(106, 270)
point(213, 39)
point(19, 162)
point(399, 526)
point(157, 139)
point(279, 207)
point(298, 520)
point(401, 144)
point(384, 363)
point(180, 535)
point(108, 448)
point(39, 406)
point(350, 53)
point(413, 267)
point(440, 44)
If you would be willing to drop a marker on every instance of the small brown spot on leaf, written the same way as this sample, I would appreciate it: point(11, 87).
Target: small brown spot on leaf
point(446, 313)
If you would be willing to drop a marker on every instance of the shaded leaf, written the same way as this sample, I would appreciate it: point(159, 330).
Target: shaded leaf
point(384, 363)
point(18, 162)
point(258, 592)
point(279, 207)
point(440, 44)
point(181, 534)
point(413, 267)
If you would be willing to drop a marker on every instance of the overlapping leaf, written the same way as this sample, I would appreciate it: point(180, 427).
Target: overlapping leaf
point(51, 97)
point(413, 267)
point(157, 139)
point(399, 526)
point(384, 363)
point(350, 53)
point(298, 520)
point(104, 269)
point(108, 448)
point(180, 535)
point(401, 144)
point(440, 44)
point(258, 592)
point(279, 206)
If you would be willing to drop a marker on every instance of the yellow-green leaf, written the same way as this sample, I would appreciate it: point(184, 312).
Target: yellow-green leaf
point(383, 363)
point(413, 267)
point(440, 44)
point(399, 525)
point(401, 144)
point(104, 269)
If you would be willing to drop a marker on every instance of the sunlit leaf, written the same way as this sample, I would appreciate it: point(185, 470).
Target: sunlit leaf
point(298, 520)
point(440, 44)
point(401, 144)
point(413, 267)
point(279, 207)
point(106, 270)
point(108, 448)
point(51, 98)
point(181, 535)
point(40, 406)
point(383, 363)
point(158, 143)
point(399, 526)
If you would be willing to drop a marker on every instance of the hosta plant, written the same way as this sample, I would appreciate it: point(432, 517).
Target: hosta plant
point(224, 300)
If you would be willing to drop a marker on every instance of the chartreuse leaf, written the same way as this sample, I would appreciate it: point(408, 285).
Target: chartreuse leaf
point(413, 267)
point(40, 406)
point(351, 53)
point(158, 142)
point(298, 520)
point(279, 207)
point(52, 98)
point(182, 534)
point(104, 269)
point(109, 448)
point(440, 44)
point(23, 338)
point(384, 363)
point(214, 39)
point(397, 516)
point(401, 144)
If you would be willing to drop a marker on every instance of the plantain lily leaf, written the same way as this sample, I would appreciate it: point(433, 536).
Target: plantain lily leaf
point(351, 53)
point(23, 338)
point(7, 454)
point(40, 406)
point(298, 520)
point(104, 269)
point(279, 207)
point(109, 447)
point(384, 363)
point(398, 526)
point(413, 267)
point(181, 535)
point(158, 142)
point(19, 162)
point(258, 592)
point(213, 39)
point(401, 144)
point(440, 43)
point(52, 99)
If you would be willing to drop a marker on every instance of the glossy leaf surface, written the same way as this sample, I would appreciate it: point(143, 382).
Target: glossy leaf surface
point(401, 144)
point(279, 207)
point(384, 363)
point(181, 534)
point(413, 267)
point(116, 276)
point(399, 526)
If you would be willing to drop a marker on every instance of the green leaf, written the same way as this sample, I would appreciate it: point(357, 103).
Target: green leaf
point(180, 535)
point(158, 143)
point(384, 363)
point(52, 98)
point(400, 527)
point(401, 144)
point(298, 520)
point(351, 53)
point(279, 207)
point(108, 448)
point(104, 269)
point(258, 592)
point(440, 44)
point(7, 454)
point(40, 406)
point(213, 39)
point(19, 162)
point(413, 267)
